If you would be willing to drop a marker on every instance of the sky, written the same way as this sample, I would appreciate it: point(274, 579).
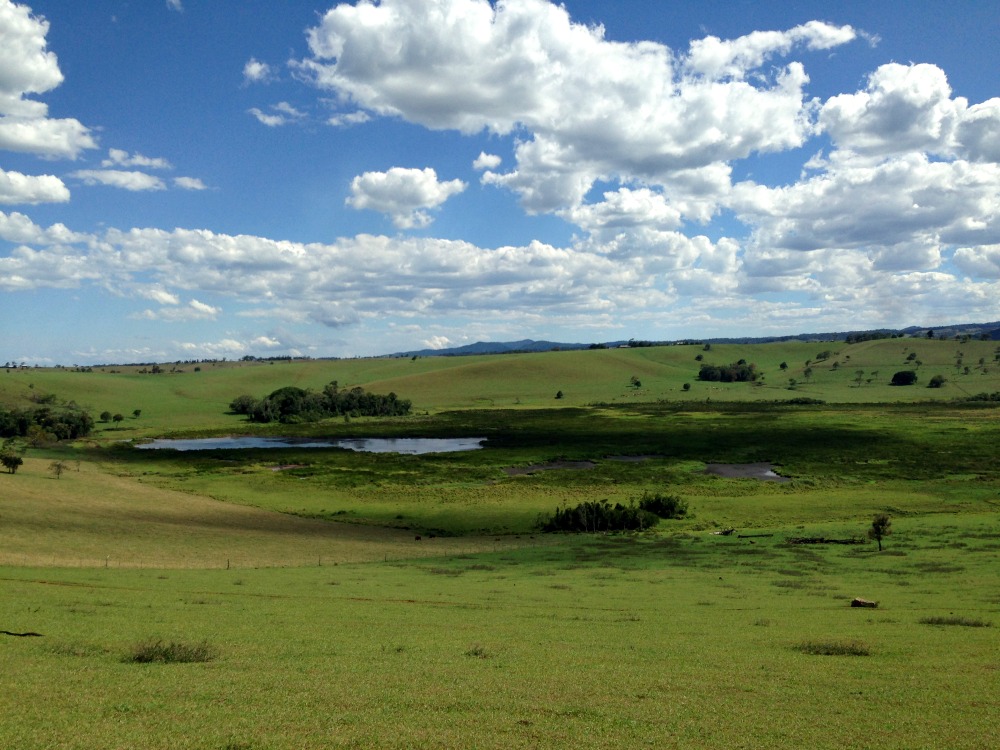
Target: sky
point(192, 179)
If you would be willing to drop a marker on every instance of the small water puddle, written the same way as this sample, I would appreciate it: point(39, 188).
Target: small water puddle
point(408, 446)
point(762, 471)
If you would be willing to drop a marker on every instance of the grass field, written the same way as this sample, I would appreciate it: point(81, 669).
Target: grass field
point(307, 613)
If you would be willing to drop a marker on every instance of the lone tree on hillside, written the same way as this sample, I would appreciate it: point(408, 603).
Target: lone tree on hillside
point(881, 527)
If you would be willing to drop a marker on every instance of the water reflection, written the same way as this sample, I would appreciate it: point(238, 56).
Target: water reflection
point(410, 446)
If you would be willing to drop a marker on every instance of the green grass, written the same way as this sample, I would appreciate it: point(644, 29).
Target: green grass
point(281, 599)
point(594, 642)
point(199, 399)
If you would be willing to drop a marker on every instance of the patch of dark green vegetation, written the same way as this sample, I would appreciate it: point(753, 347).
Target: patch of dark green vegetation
point(965, 622)
point(169, 652)
point(834, 648)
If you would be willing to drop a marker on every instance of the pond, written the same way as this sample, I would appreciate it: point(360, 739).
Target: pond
point(409, 446)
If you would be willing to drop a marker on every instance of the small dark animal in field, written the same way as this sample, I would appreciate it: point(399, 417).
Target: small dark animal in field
point(416, 538)
point(859, 602)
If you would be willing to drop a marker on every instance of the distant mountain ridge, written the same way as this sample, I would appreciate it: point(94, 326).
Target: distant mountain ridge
point(975, 330)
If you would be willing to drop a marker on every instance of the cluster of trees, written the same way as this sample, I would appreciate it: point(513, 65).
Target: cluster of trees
point(292, 404)
point(737, 372)
point(45, 423)
point(601, 515)
point(857, 338)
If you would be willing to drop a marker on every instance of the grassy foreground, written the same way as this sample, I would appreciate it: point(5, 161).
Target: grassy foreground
point(291, 605)
point(687, 640)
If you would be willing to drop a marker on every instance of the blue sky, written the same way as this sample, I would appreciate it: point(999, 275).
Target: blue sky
point(190, 179)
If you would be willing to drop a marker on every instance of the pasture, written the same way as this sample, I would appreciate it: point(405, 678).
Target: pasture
point(315, 616)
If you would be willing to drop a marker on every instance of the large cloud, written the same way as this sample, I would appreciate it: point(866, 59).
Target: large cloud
point(904, 108)
point(593, 108)
point(27, 67)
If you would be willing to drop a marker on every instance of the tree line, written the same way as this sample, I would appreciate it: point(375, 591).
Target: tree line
point(46, 422)
point(291, 404)
point(601, 515)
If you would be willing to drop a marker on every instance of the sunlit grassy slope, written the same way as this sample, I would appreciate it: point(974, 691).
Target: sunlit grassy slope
point(197, 396)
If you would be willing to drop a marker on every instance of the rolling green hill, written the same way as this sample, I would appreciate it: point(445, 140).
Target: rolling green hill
point(197, 396)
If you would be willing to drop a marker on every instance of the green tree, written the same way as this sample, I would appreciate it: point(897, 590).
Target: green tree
point(635, 382)
point(936, 382)
point(136, 413)
point(117, 418)
point(10, 460)
point(881, 528)
point(105, 416)
point(559, 394)
point(904, 377)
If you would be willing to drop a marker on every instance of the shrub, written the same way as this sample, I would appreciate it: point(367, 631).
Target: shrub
point(149, 652)
point(936, 382)
point(599, 516)
point(664, 506)
point(904, 377)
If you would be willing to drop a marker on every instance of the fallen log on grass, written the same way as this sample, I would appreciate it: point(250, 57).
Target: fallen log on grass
point(867, 603)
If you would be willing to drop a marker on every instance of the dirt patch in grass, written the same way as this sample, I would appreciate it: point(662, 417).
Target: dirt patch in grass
point(762, 471)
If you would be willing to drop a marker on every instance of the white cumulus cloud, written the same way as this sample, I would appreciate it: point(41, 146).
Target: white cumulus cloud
point(119, 158)
point(403, 194)
point(31, 189)
point(592, 108)
point(256, 71)
point(190, 183)
point(486, 161)
point(132, 180)
point(27, 67)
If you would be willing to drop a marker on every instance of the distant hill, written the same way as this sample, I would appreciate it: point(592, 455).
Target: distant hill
point(493, 347)
point(974, 330)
